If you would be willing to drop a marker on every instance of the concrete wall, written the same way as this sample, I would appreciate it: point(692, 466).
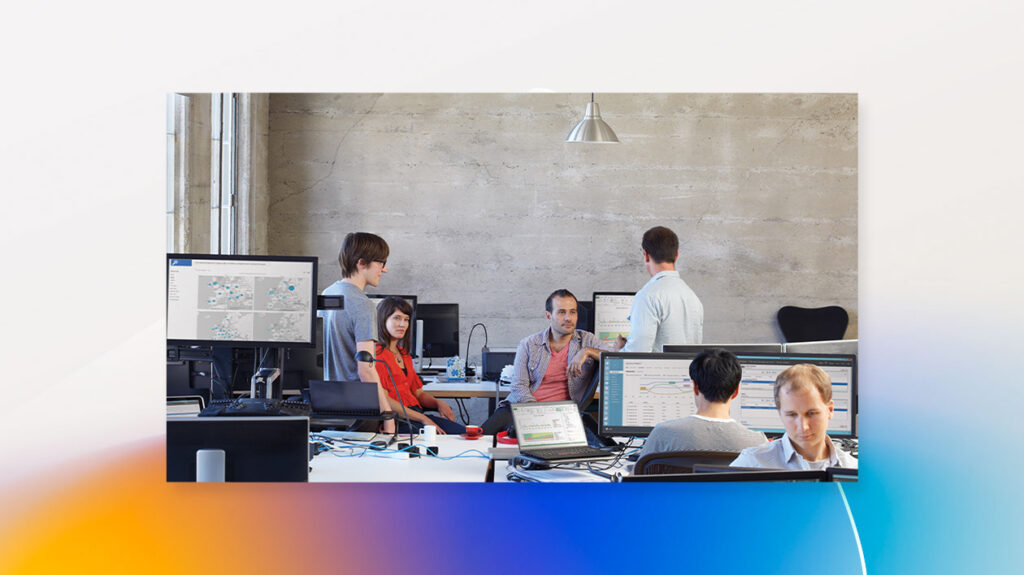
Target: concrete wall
point(484, 204)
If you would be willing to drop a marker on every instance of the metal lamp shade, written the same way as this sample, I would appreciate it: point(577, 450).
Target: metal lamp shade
point(592, 129)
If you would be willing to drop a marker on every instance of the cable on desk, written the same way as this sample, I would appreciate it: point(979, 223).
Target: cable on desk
point(463, 411)
point(481, 455)
point(333, 450)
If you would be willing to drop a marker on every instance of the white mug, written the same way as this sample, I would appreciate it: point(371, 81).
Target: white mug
point(429, 434)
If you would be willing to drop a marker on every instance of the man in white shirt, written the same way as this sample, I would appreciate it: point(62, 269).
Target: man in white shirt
point(716, 382)
point(803, 396)
point(665, 311)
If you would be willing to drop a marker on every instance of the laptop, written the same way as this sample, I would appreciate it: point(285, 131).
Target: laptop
point(184, 406)
point(552, 432)
point(343, 399)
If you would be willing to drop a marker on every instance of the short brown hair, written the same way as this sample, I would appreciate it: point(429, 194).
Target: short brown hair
point(661, 243)
point(361, 246)
point(803, 375)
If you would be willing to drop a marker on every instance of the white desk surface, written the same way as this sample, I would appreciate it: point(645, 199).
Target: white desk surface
point(424, 469)
point(478, 388)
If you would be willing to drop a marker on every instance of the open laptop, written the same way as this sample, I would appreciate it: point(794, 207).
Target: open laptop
point(343, 399)
point(552, 432)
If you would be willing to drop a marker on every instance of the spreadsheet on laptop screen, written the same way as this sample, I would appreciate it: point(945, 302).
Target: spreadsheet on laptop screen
point(548, 424)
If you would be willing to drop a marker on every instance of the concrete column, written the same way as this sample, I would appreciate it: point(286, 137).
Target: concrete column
point(252, 203)
point(192, 174)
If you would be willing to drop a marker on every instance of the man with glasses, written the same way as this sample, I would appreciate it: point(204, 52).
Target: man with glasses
point(364, 260)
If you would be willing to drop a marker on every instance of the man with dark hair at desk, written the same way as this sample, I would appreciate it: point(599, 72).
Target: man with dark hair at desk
point(665, 311)
point(803, 396)
point(554, 364)
point(716, 382)
point(364, 260)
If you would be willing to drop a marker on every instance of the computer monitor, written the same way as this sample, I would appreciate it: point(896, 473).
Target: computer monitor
point(755, 406)
point(440, 329)
point(641, 390)
point(257, 301)
point(733, 347)
point(611, 314)
point(585, 315)
point(411, 300)
point(255, 448)
point(845, 346)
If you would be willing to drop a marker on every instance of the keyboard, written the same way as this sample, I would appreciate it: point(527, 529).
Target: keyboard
point(567, 452)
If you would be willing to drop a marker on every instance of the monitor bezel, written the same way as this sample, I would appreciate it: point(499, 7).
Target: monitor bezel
point(732, 347)
point(253, 344)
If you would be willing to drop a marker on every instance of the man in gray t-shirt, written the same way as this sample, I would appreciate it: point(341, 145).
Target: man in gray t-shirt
point(364, 260)
point(716, 382)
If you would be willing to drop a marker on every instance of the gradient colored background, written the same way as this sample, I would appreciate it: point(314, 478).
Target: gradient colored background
point(82, 159)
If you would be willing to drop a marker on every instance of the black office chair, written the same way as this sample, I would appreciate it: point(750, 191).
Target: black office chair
point(680, 461)
point(812, 324)
point(588, 394)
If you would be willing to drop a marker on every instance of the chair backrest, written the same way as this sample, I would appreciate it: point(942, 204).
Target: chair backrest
point(812, 324)
point(588, 394)
point(680, 461)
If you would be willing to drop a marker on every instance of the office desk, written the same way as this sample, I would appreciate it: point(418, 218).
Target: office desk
point(425, 469)
point(465, 389)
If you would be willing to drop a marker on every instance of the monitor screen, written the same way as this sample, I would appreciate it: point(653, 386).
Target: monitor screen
point(255, 448)
point(611, 315)
point(411, 299)
point(755, 406)
point(641, 390)
point(440, 329)
point(241, 300)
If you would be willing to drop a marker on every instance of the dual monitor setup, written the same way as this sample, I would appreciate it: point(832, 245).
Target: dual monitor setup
point(641, 390)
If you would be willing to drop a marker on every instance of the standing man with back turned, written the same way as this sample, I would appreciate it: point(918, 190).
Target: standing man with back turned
point(665, 311)
point(364, 260)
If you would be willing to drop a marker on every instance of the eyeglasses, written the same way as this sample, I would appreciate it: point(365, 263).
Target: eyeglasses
point(383, 263)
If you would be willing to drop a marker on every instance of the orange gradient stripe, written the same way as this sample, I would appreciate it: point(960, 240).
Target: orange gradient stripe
point(121, 516)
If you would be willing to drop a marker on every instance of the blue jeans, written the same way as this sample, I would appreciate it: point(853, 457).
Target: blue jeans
point(450, 427)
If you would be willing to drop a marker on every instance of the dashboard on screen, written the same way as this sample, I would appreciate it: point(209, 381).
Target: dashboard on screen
point(641, 390)
point(611, 315)
point(263, 301)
